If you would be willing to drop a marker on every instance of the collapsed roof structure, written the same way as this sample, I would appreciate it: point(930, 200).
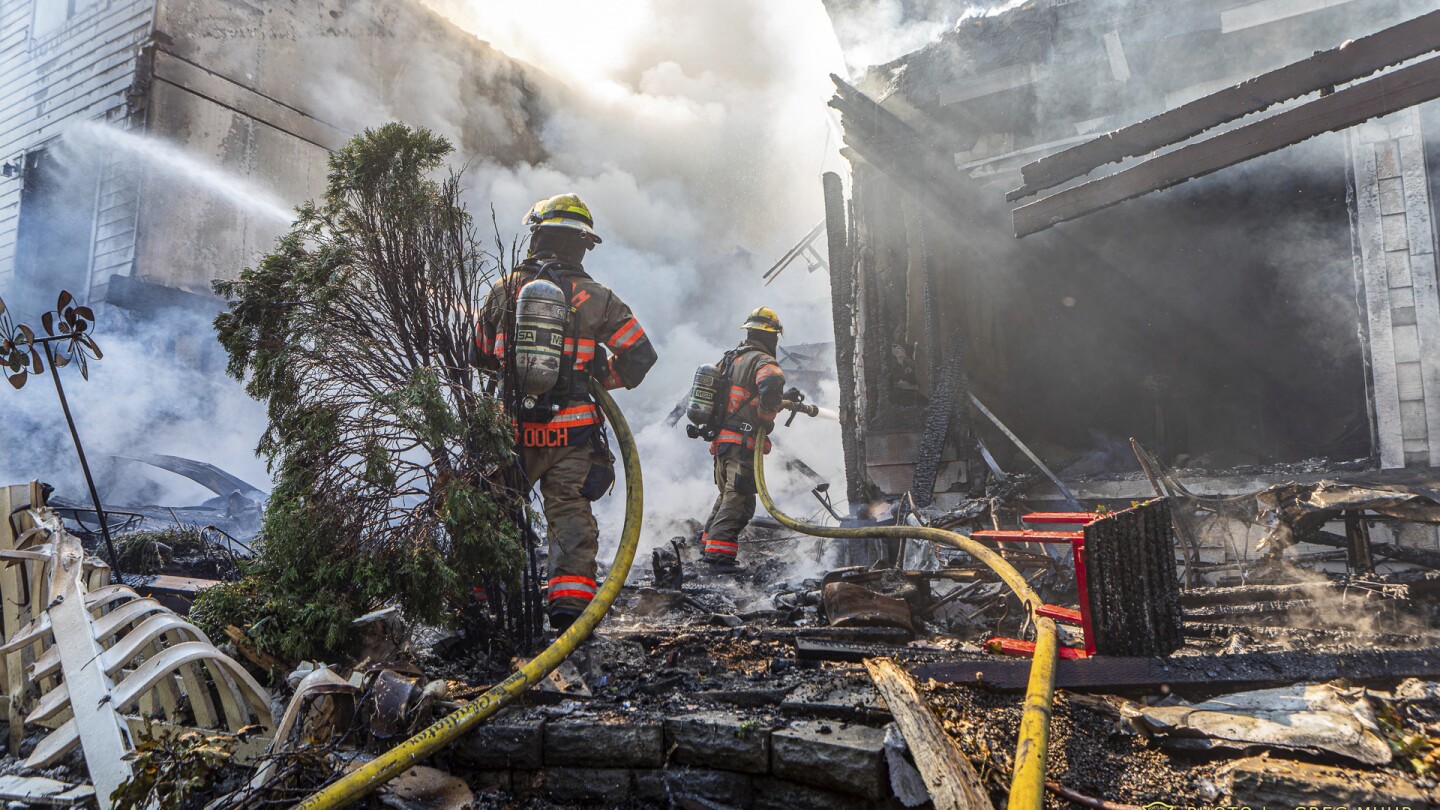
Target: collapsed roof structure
point(1278, 309)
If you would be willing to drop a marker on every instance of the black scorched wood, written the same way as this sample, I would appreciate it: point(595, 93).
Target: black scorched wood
point(1220, 671)
point(1134, 590)
point(1356, 104)
point(1326, 69)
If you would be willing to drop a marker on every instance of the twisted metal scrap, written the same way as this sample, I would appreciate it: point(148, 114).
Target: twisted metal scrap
point(113, 651)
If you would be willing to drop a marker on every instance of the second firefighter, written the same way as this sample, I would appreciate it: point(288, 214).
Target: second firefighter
point(756, 387)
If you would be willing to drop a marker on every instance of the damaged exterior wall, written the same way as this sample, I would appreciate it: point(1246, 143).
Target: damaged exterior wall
point(1235, 320)
point(264, 91)
point(56, 71)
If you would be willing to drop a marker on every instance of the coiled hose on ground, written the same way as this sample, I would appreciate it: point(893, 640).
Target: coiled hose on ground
point(356, 784)
point(1027, 784)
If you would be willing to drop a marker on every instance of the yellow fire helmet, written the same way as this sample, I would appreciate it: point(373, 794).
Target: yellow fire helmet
point(765, 320)
point(562, 211)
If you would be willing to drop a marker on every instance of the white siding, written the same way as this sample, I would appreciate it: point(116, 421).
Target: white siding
point(84, 69)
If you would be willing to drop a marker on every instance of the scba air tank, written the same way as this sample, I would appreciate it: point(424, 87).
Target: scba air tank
point(541, 314)
point(703, 409)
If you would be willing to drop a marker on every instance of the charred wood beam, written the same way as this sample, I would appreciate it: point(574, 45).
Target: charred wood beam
point(1202, 671)
point(942, 410)
point(842, 303)
point(897, 149)
point(1247, 594)
point(1221, 630)
point(1279, 607)
point(1357, 104)
point(1393, 551)
point(1326, 69)
point(813, 648)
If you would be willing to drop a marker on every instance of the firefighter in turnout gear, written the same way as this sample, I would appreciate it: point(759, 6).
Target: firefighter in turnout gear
point(546, 355)
point(756, 388)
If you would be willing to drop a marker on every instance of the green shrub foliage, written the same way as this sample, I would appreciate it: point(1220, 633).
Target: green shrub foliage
point(356, 331)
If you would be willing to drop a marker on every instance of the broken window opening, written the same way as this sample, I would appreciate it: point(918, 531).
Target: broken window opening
point(50, 15)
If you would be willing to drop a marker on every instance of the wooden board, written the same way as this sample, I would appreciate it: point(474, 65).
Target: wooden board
point(1383, 95)
point(38, 791)
point(1204, 672)
point(1326, 69)
point(952, 781)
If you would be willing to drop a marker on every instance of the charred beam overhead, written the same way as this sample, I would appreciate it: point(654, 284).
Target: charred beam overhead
point(1326, 69)
point(897, 148)
point(1354, 105)
point(913, 160)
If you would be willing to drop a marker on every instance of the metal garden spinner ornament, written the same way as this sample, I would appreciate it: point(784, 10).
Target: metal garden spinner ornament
point(68, 339)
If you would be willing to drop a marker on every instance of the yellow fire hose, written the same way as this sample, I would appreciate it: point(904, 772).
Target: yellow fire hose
point(382, 769)
point(1027, 784)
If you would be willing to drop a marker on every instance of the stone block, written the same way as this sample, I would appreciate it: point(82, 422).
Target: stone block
point(1408, 381)
point(722, 740)
point(719, 789)
point(1387, 159)
point(1397, 237)
point(649, 785)
point(779, 794)
point(1392, 196)
point(1407, 342)
point(607, 786)
point(505, 743)
point(489, 781)
point(605, 744)
point(847, 759)
point(527, 784)
point(1397, 269)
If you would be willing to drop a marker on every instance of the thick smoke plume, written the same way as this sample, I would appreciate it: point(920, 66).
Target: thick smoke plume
point(697, 133)
point(160, 389)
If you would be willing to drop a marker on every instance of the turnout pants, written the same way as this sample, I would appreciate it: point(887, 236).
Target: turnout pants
point(734, 506)
point(572, 532)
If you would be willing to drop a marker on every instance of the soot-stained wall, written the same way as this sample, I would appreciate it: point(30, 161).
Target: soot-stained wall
point(1225, 322)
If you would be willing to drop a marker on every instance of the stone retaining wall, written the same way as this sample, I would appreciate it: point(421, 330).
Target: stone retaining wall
point(719, 758)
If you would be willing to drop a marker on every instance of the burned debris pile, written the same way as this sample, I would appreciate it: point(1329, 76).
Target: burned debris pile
point(1006, 607)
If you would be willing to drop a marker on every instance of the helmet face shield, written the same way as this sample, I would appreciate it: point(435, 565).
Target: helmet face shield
point(562, 211)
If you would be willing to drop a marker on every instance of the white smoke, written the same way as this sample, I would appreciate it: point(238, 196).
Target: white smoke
point(88, 140)
point(157, 390)
point(877, 32)
point(697, 133)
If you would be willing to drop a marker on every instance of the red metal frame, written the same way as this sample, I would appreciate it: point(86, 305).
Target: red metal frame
point(1076, 540)
point(1014, 646)
point(1063, 615)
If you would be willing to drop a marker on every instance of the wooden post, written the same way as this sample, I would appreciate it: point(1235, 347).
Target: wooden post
point(953, 783)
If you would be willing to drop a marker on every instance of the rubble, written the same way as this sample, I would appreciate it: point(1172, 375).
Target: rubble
point(882, 667)
point(1312, 719)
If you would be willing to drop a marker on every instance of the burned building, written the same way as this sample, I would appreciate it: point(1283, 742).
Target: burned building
point(1277, 310)
point(223, 93)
